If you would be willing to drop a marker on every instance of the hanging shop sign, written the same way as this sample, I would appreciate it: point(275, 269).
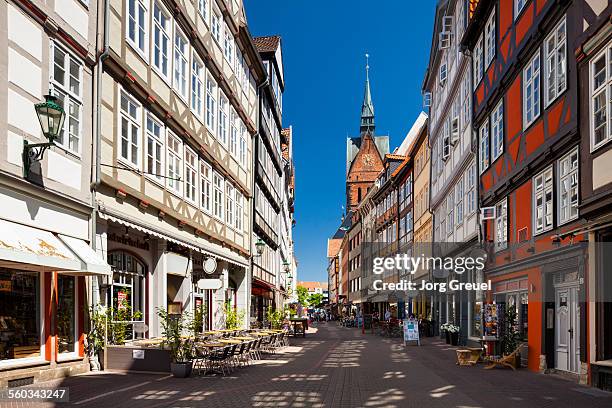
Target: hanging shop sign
point(491, 322)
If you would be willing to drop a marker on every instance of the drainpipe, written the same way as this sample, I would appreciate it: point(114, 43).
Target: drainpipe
point(96, 143)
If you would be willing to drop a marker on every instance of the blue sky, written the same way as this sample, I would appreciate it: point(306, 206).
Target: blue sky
point(324, 42)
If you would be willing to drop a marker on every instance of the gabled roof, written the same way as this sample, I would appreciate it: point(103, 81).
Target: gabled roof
point(268, 43)
point(353, 144)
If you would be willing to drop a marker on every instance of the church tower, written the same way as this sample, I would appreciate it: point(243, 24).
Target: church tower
point(365, 153)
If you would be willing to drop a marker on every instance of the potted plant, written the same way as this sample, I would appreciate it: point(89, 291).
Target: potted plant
point(444, 328)
point(511, 338)
point(233, 317)
point(453, 333)
point(181, 348)
point(95, 338)
point(274, 318)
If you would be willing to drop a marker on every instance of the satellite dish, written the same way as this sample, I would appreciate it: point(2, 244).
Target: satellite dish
point(210, 265)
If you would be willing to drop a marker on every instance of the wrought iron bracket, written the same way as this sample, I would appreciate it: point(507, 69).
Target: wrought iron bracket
point(33, 153)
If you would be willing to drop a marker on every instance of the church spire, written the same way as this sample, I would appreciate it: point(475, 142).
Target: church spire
point(367, 108)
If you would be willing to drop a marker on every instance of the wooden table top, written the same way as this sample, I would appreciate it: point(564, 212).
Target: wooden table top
point(243, 338)
point(230, 341)
point(211, 345)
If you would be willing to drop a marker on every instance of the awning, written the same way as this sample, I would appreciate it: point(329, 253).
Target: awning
point(34, 249)
point(207, 248)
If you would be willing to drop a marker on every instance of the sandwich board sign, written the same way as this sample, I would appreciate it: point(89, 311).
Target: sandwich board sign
point(411, 331)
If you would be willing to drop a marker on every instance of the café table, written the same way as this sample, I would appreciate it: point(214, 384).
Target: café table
point(243, 338)
point(230, 341)
point(211, 344)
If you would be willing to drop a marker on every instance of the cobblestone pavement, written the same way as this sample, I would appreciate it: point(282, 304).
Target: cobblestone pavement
point(339, 367)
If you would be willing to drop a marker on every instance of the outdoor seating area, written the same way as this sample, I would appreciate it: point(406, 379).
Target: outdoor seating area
point(221, 352)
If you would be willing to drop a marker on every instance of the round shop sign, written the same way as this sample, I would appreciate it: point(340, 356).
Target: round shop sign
point(210, 265)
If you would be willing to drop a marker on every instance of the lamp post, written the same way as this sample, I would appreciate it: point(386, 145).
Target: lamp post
point(259, 246)
point(51, 117)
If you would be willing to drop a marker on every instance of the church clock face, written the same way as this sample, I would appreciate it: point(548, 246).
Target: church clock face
point(368, 160)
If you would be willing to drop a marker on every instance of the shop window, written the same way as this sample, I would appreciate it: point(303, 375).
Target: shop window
point(66, 313)
point(19, 314)
point(127, 288)
point(201, 308)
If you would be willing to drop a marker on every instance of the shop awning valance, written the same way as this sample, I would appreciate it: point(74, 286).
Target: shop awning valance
point(30, 248)
point(198, 245)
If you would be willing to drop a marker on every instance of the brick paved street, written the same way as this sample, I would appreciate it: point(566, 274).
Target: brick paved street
point(340, 367)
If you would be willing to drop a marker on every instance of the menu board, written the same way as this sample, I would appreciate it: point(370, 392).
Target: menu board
point(121, 300)
point(491, 322)
point(411, 331)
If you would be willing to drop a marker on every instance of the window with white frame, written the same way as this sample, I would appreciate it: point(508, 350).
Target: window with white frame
point(243, 145)
point(442, 221)
point(223, 119)
point(233, 142)
point(519, 5)
point(497, 131)
point(489, 40)
point(203, 9)
point(501, 225)
point(205, 186)
point(239, 211)
point(543, 201)
point(601, 97)
point(161, 40)
point(215, 26)
point(174, 160)
point(66, 84)
point(218, 185)
point(471, 189)
point(477, 62)
point(531, 91)
point(459, 201)
point(568, 186)
point(484, 150)
point(191, 175)
point(555, 51)
point(137, 25)
point(130, 120)
point(181, 64)
point(155, 148)
point(211, 103)
point(466, 99)
point(228, 45)
point(197, 87)
point(450, 208)
point(229, 200)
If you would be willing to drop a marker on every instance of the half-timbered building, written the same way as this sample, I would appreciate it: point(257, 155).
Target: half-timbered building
point(525, 113)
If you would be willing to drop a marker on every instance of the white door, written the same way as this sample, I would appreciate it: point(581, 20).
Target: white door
point(567, 329)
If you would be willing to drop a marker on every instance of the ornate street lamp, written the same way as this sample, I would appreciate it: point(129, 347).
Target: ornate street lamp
point(260, 245)
point(51, 117)
point(286, 266)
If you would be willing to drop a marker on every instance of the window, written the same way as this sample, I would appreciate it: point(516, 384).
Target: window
point(459, 201)
point(205, 186)
point(161, 40)
point(555, 68)
point(20, 304)
point(218, 195)
point(477, 61)
point(174, 163)
point(155, 148)
point(203, 9)
point(66, 312)
point(531, 91)
point(228, 46)
point(243, 145)
point(181, 65)
point(191, 175)
point(450, 207)
point(137, 25)
point(229, 199)
point(215, 27)
point(568, 187)
point(239, 210)
point(601, 99)
point(489, 40)
point(497, 131)
point(223, 129)
point(197, 87)
point(130, 120)
point(543, 201)
point(66, 84)
point(484, 146)
point(211, 103)
point(471, 189)
point(233, 144)
point(446, 141)
point(501, 225)
point(519, 5)
point(466, 100)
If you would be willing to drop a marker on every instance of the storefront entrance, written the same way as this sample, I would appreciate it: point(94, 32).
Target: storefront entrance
point(567, 324)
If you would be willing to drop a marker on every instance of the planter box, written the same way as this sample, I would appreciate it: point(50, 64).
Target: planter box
point(143, 359)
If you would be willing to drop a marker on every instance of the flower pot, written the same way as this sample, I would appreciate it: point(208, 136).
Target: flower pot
point(447, 334)
point(94, 363)
point(454, 338)
point(181, 370)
